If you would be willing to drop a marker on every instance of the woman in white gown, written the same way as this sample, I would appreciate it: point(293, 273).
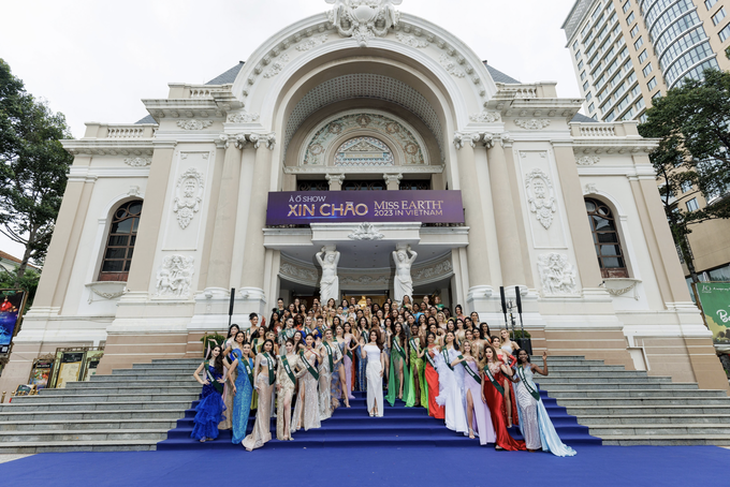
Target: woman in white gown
point(535, 424)
point(450, 390)
point(373, 351)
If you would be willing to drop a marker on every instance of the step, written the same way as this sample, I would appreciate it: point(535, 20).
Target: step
point(597, 374)
point(148, 396)
point(100, 406)
point(144, 377)
point(164, 414)
point(577, 379)
point(568, 386)
point(82, 435)
point(659, 410)
point(699, 430)
point(132, 389)
point(650, 401)
point(588, 420)
point(666, 440)
point(635, 393)
point(29, 447)
point(90, 424)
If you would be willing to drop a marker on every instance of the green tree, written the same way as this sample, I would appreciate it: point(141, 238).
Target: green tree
point(33, 168)
point(692, 123)
point(29, 283)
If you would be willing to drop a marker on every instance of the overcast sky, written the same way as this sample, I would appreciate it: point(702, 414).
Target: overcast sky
point(95, 60)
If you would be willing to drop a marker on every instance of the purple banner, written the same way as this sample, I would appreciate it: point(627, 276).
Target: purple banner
point(304, 207)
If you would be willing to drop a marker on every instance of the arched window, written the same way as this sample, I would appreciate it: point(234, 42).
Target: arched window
point(120, 244)
point(606, 239)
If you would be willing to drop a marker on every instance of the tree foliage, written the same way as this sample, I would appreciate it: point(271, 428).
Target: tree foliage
point(33, 168)
point(692, 123)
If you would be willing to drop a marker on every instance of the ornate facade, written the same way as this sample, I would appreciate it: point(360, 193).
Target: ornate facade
point(365, 97)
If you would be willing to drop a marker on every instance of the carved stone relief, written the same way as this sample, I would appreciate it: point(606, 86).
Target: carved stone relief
point(451, 66)
point(194, 124)
point(243, 117)
point(277, 67)
point(364, 19)
point(313, 41)
point(411, 40)
point(188, 196)
point(378, 124)
point(590, 189)
point(486, 117)
point(175, 276)
point(588, 160)
point(541, 197)
point(557, 275)
point(138, 161)
point(533, 124)
point(366, 231)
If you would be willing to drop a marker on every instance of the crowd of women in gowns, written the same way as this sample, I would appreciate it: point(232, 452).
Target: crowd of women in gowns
point(305, 363)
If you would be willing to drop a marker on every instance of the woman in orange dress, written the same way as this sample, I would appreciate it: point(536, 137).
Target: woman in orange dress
point(432, 377)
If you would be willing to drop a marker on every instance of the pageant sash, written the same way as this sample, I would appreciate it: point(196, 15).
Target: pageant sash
point(270, 366)
point(447, 359)
point(398, 348)
point(470, 371)
point(523, 378)
point(309, 367)
point(412, 341)
point(216, 385)
point(429, 358)
point(288, 369)
point(329, 355)
point(249, 369)
point(494, 382)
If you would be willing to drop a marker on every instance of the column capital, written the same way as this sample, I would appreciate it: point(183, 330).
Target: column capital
point(393, 178)
point(335, 178)
point(247, 139)
point(475, 139)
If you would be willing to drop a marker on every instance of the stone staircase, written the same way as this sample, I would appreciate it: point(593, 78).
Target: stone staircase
point(135, 409)
point(631, 408)
point(129, 410)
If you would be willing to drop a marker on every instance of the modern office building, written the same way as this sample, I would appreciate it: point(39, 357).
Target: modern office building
point(626, 53)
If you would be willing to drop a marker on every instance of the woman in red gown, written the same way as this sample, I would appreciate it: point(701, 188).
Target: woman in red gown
point(432, 378)
point(494, 372)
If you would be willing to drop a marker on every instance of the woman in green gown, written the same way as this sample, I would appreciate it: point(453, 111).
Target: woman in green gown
point(418, 367)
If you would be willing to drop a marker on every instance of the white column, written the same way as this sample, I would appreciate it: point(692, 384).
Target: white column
point(393, 181)
point(335, 181)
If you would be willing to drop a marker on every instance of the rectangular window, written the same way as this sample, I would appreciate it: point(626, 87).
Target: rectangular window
point(692, 205)
point(724, 33)
point(643, 56)
point(591, 107)
point(575, 46)
point(588, 96)
point(710, 3)
point(634, 31)
point(586, 85)
point(626, 6)
point(718, 16)
point(686, 186)
point(657, 95)
point(652, 83)
point(580, 65)
point(630, 19)
point(582, 75)
point(639, 42)
point(611, 115)
point(640, 104)
point(647, 69)
point(577, 55)
point(635, 91)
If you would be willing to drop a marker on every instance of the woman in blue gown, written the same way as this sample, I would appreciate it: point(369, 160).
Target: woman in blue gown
point(209, 411)
point(242, 389)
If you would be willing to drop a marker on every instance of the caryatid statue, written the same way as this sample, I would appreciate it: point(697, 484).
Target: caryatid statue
point(329, 286)
point(403, 285)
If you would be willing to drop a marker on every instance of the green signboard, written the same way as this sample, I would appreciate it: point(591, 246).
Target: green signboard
point(715, 302)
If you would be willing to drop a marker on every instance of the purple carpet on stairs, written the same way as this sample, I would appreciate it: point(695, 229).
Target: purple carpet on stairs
point(353, 427)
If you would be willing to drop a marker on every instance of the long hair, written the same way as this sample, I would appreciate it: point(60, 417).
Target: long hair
point(378, 338)
point(230, 329)
point(218, 361)
point(453, 342)
point(401, 334)
point(517, 355)
point(263, 347)
point(483, 360)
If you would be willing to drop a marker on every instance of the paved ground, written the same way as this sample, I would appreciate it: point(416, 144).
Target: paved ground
point(10, 458)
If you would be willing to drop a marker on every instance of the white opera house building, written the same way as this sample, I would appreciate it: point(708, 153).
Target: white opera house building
point(361, 131)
